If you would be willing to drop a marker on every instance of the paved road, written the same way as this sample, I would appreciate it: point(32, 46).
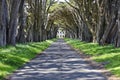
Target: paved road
point(58, 62)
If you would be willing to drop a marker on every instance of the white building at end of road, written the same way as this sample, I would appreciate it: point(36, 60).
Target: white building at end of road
point(61, 33)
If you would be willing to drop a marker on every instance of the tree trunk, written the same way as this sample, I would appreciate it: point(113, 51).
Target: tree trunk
point(109, 27)
point(13, 22)
point(22, 20)
point(3, 22)
point(118, 34)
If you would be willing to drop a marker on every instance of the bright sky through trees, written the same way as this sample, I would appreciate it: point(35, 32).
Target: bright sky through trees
point(62, 0)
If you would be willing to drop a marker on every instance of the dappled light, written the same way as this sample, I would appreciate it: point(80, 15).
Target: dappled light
point(60, 61)
point(29, 27)
point(106, 55)
point(13, 58)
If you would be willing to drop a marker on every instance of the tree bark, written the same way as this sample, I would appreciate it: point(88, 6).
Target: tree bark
point(22, 21)
point(13, 22)
point(3, 22)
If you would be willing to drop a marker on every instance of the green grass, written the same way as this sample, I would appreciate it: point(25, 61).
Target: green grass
point(11, 58)
point(105, 54)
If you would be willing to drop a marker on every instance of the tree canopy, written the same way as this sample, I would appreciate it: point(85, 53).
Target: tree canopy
point(37, 20)
point(90, 20)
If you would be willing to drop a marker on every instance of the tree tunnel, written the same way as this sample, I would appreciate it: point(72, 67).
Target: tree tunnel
point(24, 21)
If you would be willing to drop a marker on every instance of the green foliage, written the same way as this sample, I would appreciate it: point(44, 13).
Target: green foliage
point(57, 6)
point(108, 55)
point(11, 58)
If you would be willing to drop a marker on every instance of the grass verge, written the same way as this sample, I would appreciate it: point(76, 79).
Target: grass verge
point(108, 55)
point(11, 58)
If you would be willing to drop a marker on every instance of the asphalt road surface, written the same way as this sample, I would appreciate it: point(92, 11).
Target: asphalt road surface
point(58, 62)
